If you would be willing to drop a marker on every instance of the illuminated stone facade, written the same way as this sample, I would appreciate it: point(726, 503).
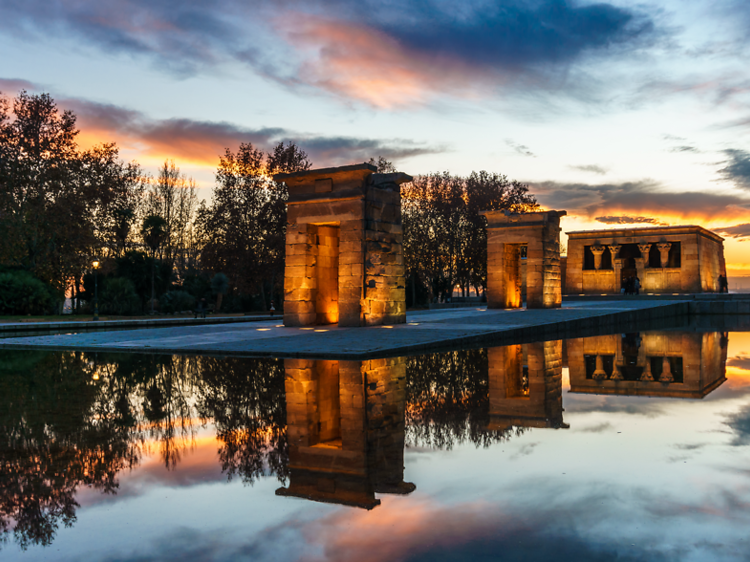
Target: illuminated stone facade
point(346, 432)
point(671, 259)
point(680, 365)
point(525, 385)
point(344, 253)
point(507, 234)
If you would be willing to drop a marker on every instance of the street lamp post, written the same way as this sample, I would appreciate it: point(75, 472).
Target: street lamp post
point(96, 292)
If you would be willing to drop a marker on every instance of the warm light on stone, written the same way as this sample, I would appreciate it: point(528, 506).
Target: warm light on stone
point(687, 365)
point(697, 260)
point(506, 234)
point(346, 430)
point(344, 247)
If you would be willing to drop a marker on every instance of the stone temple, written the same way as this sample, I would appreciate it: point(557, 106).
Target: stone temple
point(667, 259)
point(507, 235)
point(344, 254)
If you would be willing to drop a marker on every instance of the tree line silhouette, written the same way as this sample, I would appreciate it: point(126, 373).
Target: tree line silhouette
point(63, 208)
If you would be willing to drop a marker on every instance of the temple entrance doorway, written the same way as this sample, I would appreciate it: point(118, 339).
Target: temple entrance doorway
point(628, 254)
point(324, 239)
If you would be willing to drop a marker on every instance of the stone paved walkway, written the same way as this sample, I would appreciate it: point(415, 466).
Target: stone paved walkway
point(425, 330)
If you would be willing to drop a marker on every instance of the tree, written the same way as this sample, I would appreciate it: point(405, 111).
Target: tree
point(60, 207)
point(172, 196)
point(154, 233)
point(220, 286)
point(287, 158)
point(44, 218)
point(384, 166)
point(244, 227)
point(445, 238)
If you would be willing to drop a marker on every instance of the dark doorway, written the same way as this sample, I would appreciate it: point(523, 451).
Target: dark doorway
point(628, 253)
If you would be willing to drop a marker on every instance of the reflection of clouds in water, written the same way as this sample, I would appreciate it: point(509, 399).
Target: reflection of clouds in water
point(524, 450)
point(740, 424)
point(423, 531)
point(599, 428)
point(741, 361)
point(283, 542)
point(636, 405)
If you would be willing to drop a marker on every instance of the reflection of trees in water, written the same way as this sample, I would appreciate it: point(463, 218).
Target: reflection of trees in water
point(447, 400)
point(58, 430)
point(78, 419)
point(245, 398)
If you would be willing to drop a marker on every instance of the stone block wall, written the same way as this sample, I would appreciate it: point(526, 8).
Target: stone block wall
point(701, 260)
point(344, 248)
point(345, 428)
point(506, 234)
point(385, 388)
point(540, 404)
point(384, 300)
point(703, 364)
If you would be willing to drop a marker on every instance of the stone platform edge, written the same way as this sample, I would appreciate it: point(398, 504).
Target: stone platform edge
point(659, 317)
point(104, 325)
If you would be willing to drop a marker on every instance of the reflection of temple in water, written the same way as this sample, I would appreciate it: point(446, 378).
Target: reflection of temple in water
point(345, 424)
point(525, 385)
point(680, 365)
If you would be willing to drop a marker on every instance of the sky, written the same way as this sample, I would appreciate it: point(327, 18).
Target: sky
point(617, 112)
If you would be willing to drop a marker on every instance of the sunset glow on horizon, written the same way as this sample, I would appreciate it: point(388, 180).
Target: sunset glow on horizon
point(621, 115)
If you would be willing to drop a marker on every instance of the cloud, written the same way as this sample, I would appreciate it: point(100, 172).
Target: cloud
point(593, 168)
point(521, 149)
point(203, 141)
point(630, 220)
point(405, 54)
point(737, 168)
point(639, 198)
point(11, 86)
point(736, 231)
point(181, 36)
point(683, 148)
point(516, 33)
point(382, 53)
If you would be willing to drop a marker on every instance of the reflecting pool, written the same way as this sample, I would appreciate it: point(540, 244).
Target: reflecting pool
point(626, 446)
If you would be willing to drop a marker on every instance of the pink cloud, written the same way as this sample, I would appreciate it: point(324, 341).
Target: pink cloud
point(356, 61)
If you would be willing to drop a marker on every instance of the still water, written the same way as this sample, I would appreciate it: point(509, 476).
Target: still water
point(627, 447)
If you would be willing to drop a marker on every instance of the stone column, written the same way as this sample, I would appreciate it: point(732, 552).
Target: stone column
point(599, 372)
point(640, 267)
point(597, 251)
point(614, 249)
point(646, 375)
point(645, 249)
point(666, 371)
point(640, 263)
point(664, 251)
point(617, 265)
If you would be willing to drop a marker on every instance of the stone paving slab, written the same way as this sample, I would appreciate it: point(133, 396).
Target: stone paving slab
point(425, 330)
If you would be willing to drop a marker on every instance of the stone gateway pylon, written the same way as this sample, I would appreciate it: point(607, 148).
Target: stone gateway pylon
point(507, 234)
point(344, 247)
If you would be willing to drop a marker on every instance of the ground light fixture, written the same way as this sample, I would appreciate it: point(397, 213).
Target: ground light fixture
point(96, 290)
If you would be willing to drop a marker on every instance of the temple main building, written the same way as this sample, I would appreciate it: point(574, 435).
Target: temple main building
point(666, 259)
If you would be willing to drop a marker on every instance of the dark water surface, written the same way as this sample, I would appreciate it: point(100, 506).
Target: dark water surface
point(627, 447)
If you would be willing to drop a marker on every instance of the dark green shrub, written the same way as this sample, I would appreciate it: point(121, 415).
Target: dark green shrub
point(119, 297)
point(176, 301)
point(198, 286)
point(22, 293)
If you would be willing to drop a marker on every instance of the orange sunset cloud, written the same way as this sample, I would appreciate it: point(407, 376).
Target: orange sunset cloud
point(365, 64)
